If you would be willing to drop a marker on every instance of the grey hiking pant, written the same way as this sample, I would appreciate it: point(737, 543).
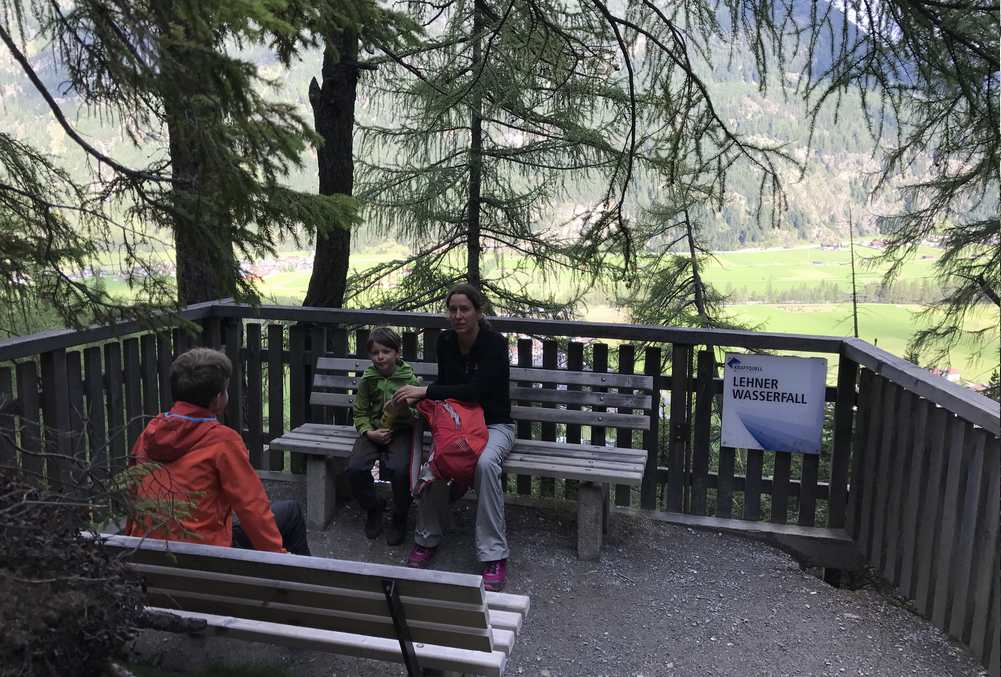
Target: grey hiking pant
point(490, 534)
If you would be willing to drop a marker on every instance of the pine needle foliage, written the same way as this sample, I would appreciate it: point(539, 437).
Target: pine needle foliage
point(507, 105)
point(173, 78)
point(928, 73)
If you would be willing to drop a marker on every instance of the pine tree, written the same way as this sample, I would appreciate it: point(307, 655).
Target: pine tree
point(170, 75)
point(492, 113)
point(333, 102)
point(928, 73)
point(994, 386)
point(504, 108)
point(672, 288)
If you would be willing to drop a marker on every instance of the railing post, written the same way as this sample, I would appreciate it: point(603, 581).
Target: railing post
point(337, 340)
point(547, 485)
point(681, 355)
point(232, 336)
point(276, 392)
point(164, 358)
point(575, 362)
point(651, 438)
point(149, 370)
point(316, 345)
point(8, 448)
point(844, 414)
point(32, 462)
point(298, 384)
point(211, 336)
point(56, 417)
point(705, 372)
point(255, 398)
point(524, 482)
point(134, 420)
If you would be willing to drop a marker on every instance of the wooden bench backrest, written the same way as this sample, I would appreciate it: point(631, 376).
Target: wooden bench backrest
point(334, 377)
point(441, 608)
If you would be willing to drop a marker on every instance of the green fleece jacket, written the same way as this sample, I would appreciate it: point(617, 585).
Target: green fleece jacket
point(373, 393)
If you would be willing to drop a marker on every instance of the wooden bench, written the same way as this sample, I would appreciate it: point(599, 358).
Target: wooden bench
point(432, 621)
point(537, 396)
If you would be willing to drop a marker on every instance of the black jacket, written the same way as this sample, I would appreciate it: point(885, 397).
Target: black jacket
point(483, 376)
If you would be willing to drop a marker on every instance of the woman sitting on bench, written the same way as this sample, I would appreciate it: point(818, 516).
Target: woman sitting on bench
point(473, 366)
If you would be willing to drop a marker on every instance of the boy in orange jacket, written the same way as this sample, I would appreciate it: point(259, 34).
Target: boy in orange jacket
point(203, 470)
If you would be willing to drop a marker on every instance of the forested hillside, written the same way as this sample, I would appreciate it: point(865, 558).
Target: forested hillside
point(840, 151)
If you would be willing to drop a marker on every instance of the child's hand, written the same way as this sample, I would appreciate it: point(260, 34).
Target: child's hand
point(396, 409)
point(380, 436)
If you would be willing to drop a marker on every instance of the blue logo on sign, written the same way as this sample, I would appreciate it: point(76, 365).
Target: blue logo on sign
point(733, 362)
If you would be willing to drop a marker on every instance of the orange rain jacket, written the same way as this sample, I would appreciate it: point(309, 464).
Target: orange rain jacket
point(205, 462)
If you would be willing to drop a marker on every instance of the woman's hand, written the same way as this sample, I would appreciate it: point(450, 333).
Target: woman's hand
point(380, 436)
point(409, 394)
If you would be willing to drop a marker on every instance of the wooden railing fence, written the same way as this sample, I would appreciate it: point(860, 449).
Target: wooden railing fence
point(909, 471)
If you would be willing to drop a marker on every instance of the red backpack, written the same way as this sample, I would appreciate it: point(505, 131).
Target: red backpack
point(458, 437)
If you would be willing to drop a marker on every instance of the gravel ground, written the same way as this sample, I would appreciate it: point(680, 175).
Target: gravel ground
point(663, 600)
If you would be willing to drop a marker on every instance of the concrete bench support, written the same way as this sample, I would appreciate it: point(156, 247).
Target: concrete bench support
point(590, 513)
point(321, 492)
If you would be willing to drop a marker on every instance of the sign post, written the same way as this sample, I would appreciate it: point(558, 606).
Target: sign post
point(773, 403)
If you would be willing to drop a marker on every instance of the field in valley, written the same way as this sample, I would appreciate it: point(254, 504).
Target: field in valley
point(747, 274)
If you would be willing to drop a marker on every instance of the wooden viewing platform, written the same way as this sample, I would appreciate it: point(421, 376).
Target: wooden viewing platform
point(907, 482)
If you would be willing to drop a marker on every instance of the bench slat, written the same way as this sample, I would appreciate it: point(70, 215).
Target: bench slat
point(562, 461)
point(327, 429)
point(518, 394)
point(526, 374)
point(574, 473)
point(309, 595)
point(578, 451)
point(592, 418)
point(336, 381)
point(476, 639)
point(320, 448)
point(465, 588)
point(582, 378)
point(337, 434)
point(582, 397)
point(331, 399)
point(335, 440)
point(508, 602)
point(378, 648)
point(504, 620)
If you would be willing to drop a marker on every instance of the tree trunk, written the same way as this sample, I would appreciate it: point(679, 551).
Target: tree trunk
point(698, 288)
point(473, 275)
point(333, 114)
point(206, 267)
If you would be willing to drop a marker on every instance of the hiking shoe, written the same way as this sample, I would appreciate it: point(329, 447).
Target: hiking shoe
point(373, 520)
point(495, 575)
point(420, 556)
point(396, 530)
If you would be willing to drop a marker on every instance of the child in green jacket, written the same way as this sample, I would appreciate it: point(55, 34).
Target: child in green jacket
point(383, 432)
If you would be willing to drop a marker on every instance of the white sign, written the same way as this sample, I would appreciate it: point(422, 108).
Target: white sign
point(773, 403)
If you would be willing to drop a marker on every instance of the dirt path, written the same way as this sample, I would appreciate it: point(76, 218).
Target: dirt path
point(663, 600)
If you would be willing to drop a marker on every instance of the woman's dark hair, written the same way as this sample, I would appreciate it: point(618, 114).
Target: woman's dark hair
point(475, 297)
point(384, 336)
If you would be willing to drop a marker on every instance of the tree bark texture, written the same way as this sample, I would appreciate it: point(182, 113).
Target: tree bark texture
point(473, 275)
point(333, 105)
point(697, 286)
point(206, 267)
